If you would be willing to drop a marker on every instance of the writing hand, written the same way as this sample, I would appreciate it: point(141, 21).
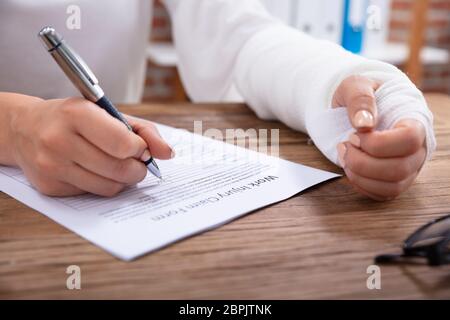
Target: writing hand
point(71, 146)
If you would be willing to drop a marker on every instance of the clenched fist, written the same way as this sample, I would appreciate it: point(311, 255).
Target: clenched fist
point(379, 164)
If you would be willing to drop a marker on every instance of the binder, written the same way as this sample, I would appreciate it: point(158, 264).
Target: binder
point(321, 19)
point(354, 23)
point(281, 9)
point(349, 23)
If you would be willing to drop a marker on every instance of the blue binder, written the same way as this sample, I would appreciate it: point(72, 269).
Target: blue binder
point(353, 31)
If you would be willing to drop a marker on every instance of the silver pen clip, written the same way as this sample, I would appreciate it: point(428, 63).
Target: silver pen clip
point(81, 65)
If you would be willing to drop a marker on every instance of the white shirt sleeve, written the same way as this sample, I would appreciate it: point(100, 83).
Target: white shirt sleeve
point(233, 48)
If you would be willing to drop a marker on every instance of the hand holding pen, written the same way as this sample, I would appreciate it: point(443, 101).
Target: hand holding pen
point(84, 79)
point(71, 146)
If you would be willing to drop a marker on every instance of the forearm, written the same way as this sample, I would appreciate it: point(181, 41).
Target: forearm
point(287, 75)
point(11, 105)
point(280, 72)
point(208, 35)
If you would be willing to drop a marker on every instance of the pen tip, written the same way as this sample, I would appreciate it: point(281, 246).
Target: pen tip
point(153, 167)
point(154, 170)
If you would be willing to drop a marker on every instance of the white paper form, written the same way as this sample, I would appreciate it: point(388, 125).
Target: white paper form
point(208, 184)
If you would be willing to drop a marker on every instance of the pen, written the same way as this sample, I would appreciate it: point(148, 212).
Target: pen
point(84, 79)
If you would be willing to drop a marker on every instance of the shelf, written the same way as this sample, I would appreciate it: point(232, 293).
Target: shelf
point(397, 54)
point(163, 54)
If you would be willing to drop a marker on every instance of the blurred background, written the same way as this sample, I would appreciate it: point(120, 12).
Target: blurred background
point(412, 34)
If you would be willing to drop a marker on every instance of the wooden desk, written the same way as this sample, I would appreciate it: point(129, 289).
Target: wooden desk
point(315, 245)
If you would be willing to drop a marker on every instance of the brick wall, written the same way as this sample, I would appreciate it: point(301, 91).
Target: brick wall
point(436, 77)
point(161, 83)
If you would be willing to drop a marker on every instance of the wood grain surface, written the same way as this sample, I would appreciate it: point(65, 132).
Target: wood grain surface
point(317, 244)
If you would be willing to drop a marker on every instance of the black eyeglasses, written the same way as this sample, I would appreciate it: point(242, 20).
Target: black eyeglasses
point(431, 241)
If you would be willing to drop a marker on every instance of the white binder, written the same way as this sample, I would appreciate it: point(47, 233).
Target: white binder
point(282, 9)
point(320, 18)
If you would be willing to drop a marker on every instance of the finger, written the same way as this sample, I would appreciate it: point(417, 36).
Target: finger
point(384, 169)
point(51, 187)
point(366, 193)
point(104, 131)
point(380, 190)
point(156, 144)
point(406, 138)
point(91, 182)
point(357, 94)
point(91, 158)
point(61, 189)
point(43, 176)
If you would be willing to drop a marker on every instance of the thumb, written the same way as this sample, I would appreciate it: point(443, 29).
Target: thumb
point(357, 94)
